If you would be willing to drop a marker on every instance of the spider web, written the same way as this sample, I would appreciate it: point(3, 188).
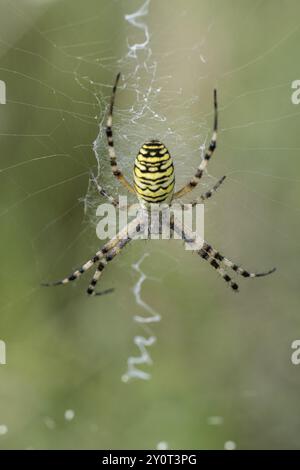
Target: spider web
point(59, 63)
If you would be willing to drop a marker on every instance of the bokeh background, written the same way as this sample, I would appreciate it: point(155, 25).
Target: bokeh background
point(220, 369)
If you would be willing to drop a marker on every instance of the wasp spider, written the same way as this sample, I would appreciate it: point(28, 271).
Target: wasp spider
point(154, 182)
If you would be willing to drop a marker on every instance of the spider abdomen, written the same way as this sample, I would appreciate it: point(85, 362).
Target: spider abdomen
point(153, 173)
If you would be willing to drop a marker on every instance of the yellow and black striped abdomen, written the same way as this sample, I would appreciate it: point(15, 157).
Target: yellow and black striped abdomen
point(153, 173)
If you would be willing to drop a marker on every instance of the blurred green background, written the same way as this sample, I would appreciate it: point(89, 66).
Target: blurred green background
point(216, 354)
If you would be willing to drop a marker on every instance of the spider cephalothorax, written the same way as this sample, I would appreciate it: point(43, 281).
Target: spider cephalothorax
point(153, 173)
point(154, 182)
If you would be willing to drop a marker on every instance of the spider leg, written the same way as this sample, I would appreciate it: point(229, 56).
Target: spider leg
point(238, 269)
point(208, 194)
point(123, 241)
point(207, 156)
point(103, 263)
point(215, 259)
point(85, 267)
point(221, 271)
point(190, 239)
point(111, 149)
point(100, 255)
point(102, 191)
